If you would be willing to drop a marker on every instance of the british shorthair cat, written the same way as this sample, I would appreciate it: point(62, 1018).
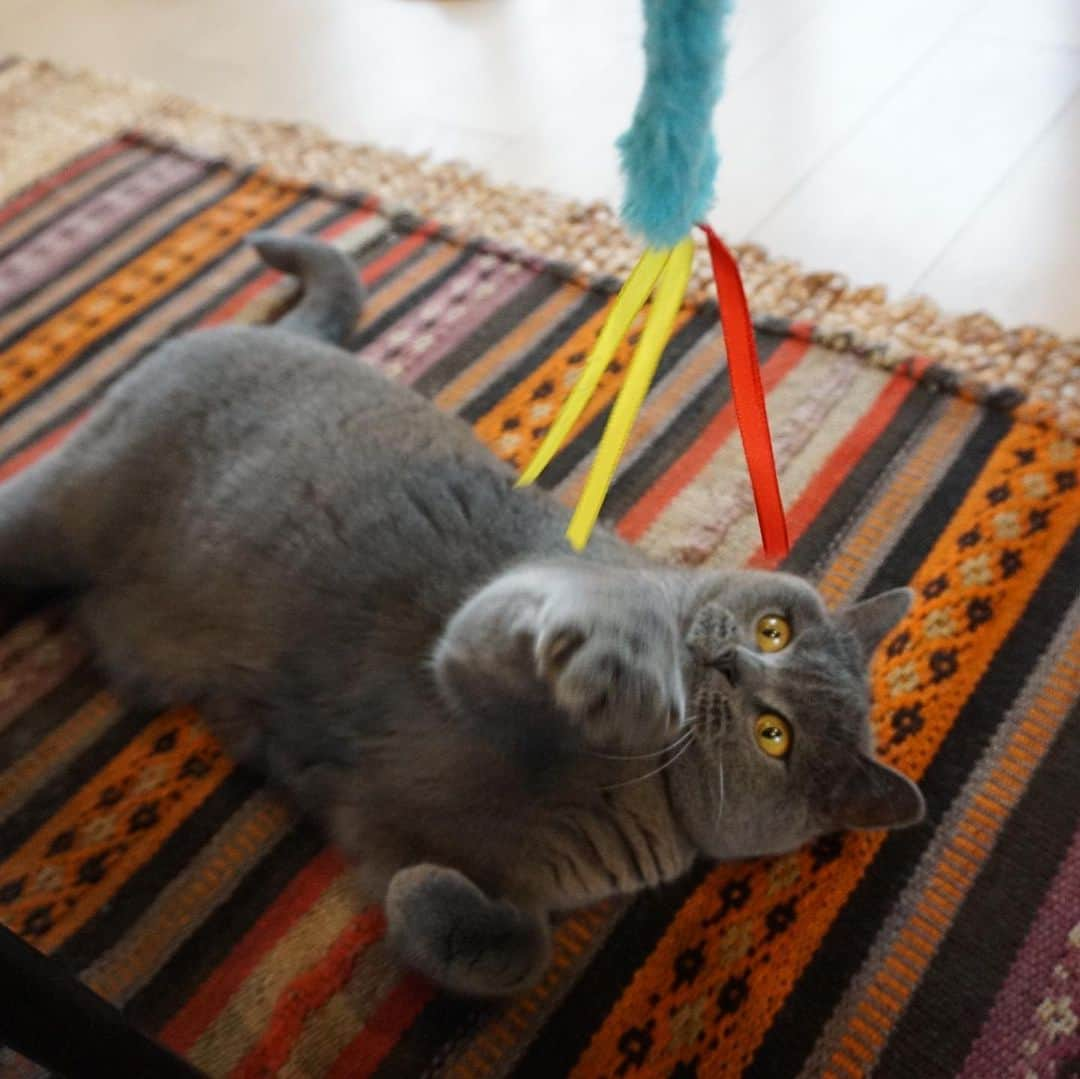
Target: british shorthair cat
point(347, 584)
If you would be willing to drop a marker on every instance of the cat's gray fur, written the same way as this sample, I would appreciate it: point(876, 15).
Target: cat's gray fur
point(345, 581)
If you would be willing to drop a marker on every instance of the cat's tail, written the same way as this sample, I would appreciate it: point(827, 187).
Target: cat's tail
point(332, 294)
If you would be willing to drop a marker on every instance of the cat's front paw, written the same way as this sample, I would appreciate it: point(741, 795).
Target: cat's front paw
point(622, 683)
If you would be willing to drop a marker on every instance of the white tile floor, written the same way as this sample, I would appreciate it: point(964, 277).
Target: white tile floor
point(933, 145)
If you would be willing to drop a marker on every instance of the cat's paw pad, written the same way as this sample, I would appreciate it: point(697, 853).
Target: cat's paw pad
point(622, 684)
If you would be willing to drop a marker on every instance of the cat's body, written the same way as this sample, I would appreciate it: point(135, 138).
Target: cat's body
point(346, 582)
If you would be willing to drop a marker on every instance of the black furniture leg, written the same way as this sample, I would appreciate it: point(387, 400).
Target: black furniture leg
point(49, 1016)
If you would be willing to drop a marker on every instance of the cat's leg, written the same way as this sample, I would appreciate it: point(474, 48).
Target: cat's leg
point(603, 644)
point(445, 927)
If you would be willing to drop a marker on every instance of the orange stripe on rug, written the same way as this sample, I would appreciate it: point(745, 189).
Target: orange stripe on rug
point(299, 896)
point(77, 861)
point(308, 992)
point(383, 1030)
point(636, 523)
point(515, 426)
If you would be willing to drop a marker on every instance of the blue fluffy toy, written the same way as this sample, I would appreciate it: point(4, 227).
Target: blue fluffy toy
point(669, 155)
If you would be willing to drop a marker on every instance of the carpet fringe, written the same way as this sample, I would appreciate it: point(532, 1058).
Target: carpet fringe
point(48, 113)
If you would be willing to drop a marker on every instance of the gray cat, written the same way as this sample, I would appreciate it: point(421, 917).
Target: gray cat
point(346, 583)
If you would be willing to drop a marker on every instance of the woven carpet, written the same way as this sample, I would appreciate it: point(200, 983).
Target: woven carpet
point(133, 850)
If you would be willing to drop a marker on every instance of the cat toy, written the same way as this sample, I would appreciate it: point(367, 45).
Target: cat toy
point(669, 160)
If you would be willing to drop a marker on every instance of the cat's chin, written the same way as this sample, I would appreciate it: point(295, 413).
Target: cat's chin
point(696, 797)
point(698, 805)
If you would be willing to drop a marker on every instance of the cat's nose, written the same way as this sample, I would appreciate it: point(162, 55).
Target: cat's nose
point(726, 663)
point(739, 666)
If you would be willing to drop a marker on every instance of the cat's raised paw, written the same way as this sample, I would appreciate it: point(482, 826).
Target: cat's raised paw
point(621, 682)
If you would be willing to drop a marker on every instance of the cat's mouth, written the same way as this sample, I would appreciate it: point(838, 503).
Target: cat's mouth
point(711, 707)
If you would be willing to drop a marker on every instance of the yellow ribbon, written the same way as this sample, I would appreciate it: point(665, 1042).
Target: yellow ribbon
point(631, 299)
point(669, 270)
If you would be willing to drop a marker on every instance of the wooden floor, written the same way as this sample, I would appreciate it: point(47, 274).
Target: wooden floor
point(933, 145)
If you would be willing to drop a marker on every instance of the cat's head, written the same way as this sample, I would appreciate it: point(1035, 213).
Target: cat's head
point(780, 700)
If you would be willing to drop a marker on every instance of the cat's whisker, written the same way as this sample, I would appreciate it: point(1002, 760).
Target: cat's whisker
point(677, 744)
point(655, 772)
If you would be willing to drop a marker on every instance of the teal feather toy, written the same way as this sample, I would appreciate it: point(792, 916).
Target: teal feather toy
point(669, 160)
point(669, 155)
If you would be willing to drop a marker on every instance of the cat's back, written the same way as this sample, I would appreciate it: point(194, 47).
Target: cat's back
point(258, 455)
point(238, 384)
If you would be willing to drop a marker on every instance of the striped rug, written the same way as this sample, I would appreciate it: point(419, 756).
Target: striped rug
point(133, 850)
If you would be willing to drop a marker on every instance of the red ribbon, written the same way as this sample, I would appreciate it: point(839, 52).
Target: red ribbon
point(747, 393)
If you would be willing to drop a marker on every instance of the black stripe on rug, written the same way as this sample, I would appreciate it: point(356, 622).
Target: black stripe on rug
point(443, 1023)
point(17, 606)
point(846, 945)
point(945, 1015)
point(374, 249)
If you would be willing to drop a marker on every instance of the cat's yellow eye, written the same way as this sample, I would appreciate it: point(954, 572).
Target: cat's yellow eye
point(773, 734)
point(773, 633)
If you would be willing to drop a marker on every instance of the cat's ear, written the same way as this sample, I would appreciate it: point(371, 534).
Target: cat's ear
point(876, 796)
point(871, 620)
